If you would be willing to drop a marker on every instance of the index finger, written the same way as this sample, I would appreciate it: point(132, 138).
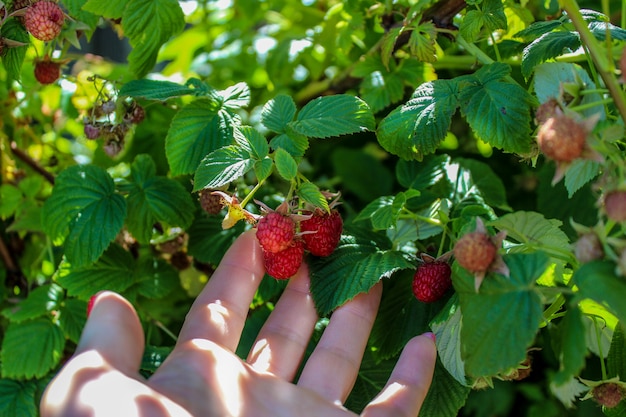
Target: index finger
point(219, 313)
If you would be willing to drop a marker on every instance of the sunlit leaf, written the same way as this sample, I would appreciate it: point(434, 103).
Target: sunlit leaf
point(84, 212)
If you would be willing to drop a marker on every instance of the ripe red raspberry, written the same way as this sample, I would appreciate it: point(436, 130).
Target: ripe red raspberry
point(275, 231)
point(561, 138)
point(211, 203)
point(44, 20)
point(90, 304)
point(615, 205)
point(284, 264)
point(431, 281)
point(47, 71)
point(609, 394)
point(327, 228)
point(475, 251)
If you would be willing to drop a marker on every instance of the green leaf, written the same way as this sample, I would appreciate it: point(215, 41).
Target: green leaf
point(159, 18)
point(252, 141)
point(370, 380)
point(293, 142)
point(597, 281)
point(310, 193)
point(490, 15)
point(380, 208)
point(72, 318)
point(113, 271)
point(111, 9)
point(18, 398)
point(155, 89)
point(75, 9)
point(600, 30)
point(380, 89)
point(222, 166)
point(198, 129)
point(236, 97)
point(155, 199)
point(571, 347)
point(156, 278)
point(532, 231)
point(278, 112)
point(85, 212)
point(336, 115)
point(424, 174)
point(422, 42)
point(39, 302)
point(487, 182)
point(153, 357)
point(208, 242)
point(616, 360)
point(354, 267)
point(471, 25)
point(447, 329)
point(389, 43)
point(400, 316)
point(263, 168)
point(579, 173)
point(417, 127)
point(547, 46)
point(497, 110)
point(549, 79)
point(13, 58)
point(286, 166)
point(501, 320)
point(23, 359)
point(446, 395)
point(537, 29)
point(10, 199)
point(362, 173)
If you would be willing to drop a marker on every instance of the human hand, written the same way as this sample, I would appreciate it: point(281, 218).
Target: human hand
point(203, 377)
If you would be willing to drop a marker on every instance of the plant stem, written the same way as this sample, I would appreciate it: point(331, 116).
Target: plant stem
point(601, 61)
point(31, 163)
point(247, 199)
point(481, 56)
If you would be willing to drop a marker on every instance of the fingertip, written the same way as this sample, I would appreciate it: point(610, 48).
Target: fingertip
point(409, 382)
point(113, 330)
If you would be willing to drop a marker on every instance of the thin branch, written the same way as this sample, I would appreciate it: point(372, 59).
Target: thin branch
point(6, 257)
point(31, 163)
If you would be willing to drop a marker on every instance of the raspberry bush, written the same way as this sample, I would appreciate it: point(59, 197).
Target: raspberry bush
point(407, 125)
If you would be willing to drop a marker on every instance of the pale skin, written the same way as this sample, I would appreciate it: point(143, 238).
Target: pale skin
point(203, 377)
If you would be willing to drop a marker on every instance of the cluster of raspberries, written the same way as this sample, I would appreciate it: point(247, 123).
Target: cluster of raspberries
point(284, 246)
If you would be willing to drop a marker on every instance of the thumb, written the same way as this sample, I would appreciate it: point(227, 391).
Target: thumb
point(114, 331)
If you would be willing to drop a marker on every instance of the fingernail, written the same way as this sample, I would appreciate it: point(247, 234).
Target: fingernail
point(90, 304)
point(432, 336)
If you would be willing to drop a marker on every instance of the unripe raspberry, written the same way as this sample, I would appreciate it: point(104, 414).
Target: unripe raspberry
point(561, 138)
point(475, 251)
point(44, 20)
point(588, 248)
point(546, 110)
point(609, 394)
point(615, 205)
point(92, 130)
point(211, 203)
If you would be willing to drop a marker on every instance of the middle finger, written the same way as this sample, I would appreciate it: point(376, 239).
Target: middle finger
point(332, 368)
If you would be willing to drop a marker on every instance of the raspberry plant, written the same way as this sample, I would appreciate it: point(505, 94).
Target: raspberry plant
point(423, 115)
